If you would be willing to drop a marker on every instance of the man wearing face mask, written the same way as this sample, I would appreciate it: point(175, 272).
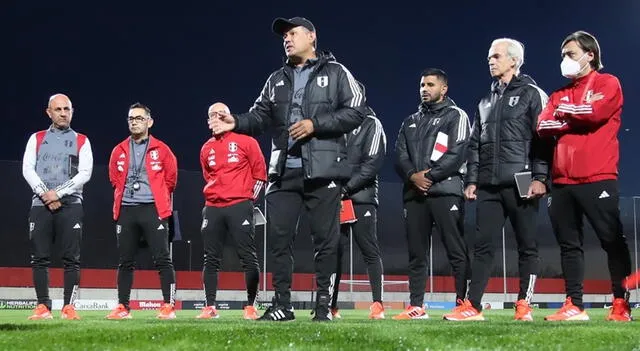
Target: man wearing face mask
point(430, 159)
point(504, 142)
point(584, 118)
point(143, 172)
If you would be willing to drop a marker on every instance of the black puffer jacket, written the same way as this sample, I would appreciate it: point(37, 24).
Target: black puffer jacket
point(333, 101)
point(367, 147)
point(504, 139)
point(416, 148)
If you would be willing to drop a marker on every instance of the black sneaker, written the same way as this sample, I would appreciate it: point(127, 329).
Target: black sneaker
point(278, 313)
point(322, 313)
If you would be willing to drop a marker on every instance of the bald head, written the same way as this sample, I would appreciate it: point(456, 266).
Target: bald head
point(217, 107)
point(58, 99)
point(60, 111)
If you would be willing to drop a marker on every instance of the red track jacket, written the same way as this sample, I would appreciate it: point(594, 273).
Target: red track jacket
point(162, 170)
point(234, 169)
point(584, 116)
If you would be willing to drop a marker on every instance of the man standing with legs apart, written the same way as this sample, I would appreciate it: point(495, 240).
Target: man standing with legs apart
point(234, 171)
point(584, 118)
point(144, 174)
point(310, 103)
point(430, 159)
point(504, 142)
point(367, 147)
point(57, 163)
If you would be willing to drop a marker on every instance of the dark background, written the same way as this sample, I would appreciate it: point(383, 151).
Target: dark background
point(179, 58)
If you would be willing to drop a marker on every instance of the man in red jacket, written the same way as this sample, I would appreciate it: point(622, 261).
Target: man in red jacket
point(584, 118)
point(234, 170)
point(143, 172)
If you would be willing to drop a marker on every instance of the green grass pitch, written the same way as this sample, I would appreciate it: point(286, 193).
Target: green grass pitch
point(353, 332)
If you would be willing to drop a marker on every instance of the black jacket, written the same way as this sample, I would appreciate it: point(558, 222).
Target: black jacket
point(504, 139)
point(333, 101)
point(366, 148)
point(415, 148)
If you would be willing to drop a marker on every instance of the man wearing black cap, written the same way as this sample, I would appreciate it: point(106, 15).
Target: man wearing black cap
point(310, 103)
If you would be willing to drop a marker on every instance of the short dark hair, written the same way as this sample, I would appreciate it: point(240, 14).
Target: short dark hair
point(588, 43)
point(442, 76)
point(142, 106)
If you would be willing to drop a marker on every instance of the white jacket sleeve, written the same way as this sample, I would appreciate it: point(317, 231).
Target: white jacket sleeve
point(29, 167)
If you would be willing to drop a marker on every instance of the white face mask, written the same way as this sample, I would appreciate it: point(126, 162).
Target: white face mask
point(571, 68)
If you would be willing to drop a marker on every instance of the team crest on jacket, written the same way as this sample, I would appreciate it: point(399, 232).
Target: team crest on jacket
point(513, 100)
point(154, 154)
point(322, 81)
point(233, 146)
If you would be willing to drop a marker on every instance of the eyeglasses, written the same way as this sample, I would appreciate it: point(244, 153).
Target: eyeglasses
point(137, 119)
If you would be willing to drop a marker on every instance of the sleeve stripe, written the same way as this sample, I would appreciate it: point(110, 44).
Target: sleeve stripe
point(256, 188)
point(544, 98)
point(463, 124)
point(356, 100)
point(377, 135)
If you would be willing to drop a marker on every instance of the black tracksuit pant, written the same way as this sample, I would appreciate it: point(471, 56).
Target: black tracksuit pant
point(236, 223)
point(597, 201)
point(320, 199)
point(134, 224)
point(447, 212)
point(46, 227)
point(494, 205)
point(364, 232)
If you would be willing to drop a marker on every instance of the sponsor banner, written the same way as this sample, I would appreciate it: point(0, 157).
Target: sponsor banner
point(557, 305)
point(151, 304)
point(87, 305)
point(439, 305)
point(493, 305)
point(18, 304)
point(220, 305)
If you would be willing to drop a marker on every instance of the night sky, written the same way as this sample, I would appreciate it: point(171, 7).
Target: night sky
point(179, 58)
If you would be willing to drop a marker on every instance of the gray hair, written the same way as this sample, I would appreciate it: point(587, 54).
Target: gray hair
point(515, 49)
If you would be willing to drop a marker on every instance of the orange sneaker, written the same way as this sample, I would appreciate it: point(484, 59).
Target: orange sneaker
point(209, 312)
point(69, 312)
point(524, 312)
point(459, 306)
point(166, 312)
point(568, 312)
point(41, 312)
point(335, 313)
point(620, 311)
point(412, 312)
point(464, 312)
point(250, 312)
point(120, 312)
point(376, 311)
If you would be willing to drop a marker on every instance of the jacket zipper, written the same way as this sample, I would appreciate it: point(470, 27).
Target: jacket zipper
point(496, 147)
point(291, 82)
point(314, 72)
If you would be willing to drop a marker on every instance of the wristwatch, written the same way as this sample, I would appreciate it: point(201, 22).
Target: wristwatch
point(540, 178)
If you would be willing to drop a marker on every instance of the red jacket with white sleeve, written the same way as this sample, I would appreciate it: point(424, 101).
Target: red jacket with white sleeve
point(162, 169)
point(234, 169)
point(584, 117)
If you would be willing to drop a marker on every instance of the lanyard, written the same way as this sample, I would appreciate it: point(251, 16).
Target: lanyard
point(137, 166)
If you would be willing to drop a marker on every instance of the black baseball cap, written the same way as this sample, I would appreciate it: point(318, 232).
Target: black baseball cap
point(281, 25)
